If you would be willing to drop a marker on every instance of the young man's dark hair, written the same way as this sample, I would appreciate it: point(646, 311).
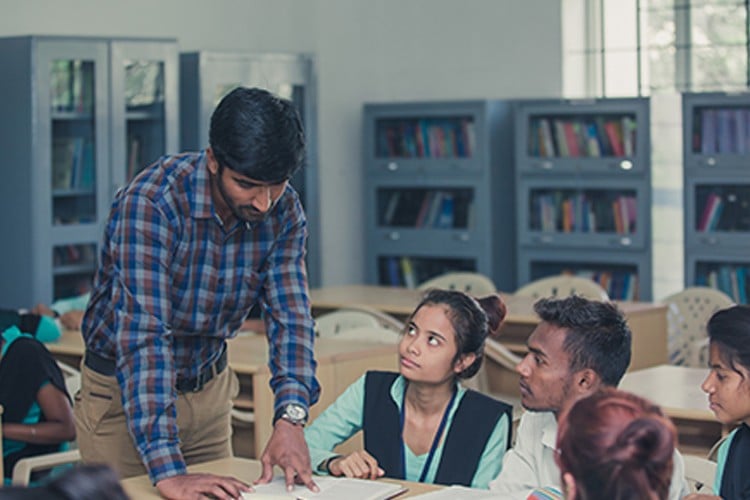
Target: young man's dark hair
point(598, 336)
point(258, 135)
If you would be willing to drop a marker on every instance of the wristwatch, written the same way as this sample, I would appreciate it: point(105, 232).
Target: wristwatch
point(293, 413)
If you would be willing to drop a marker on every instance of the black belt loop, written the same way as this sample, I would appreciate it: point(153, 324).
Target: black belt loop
point(106, 367)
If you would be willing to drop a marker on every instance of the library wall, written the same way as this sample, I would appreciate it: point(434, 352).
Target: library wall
point(365, 51)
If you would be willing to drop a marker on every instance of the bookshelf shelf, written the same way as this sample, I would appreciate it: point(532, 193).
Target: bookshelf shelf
point(65, 128)
point(437, 174)
point(717, 191)
point(583, 177)
point(206, 76)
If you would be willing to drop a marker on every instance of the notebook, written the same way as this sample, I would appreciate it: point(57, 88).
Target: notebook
point(331, 488)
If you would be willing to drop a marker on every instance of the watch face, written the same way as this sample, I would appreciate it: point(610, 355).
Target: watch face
point(295, 413)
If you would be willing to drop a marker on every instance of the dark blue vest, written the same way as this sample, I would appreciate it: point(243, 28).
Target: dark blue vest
point(473, 422)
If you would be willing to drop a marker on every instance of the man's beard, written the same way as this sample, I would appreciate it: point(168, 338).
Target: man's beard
point(244, 213)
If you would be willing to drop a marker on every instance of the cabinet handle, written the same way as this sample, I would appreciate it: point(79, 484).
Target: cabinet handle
point(393, 236)
point(546, 165)
point(545, 239)
point(625, 241)
point(462, 237)
point(711, 161)
point(626, 165)
point(710, 240)
point(392, 166)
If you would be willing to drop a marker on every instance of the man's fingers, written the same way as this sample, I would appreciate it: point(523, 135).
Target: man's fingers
point(266, 474)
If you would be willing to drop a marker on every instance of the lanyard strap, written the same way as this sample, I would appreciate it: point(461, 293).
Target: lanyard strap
point(435, 441)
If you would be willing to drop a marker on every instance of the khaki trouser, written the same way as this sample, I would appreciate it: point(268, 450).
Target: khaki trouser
point(203, 419)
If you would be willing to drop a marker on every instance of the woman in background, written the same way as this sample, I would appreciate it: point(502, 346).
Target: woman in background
point(37, 414)
point(420, 424)
point(614, 445)
point(728, 389)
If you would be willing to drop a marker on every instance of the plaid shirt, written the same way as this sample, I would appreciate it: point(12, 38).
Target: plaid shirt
point(174, 284)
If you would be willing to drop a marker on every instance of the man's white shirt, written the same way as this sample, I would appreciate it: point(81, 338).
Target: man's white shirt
point(531, 463)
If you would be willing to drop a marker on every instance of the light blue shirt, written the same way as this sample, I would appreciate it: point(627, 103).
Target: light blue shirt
point(721, 461)
point(344, 418)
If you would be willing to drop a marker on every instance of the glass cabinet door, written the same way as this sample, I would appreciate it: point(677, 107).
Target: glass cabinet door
point(144, 106)
point(73, 140)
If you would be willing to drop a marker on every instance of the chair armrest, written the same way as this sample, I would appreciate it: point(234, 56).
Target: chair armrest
point(24, 467)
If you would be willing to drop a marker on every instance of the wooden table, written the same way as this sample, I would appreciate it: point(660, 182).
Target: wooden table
point(648, 321)
point(677, 389)
point(140, 488)
point(340, 362)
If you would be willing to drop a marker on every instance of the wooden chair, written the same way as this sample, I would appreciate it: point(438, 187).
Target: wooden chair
point(561, 286)
point(688, 313)
point(699, 473)
point(475, 284)
point(333, 324)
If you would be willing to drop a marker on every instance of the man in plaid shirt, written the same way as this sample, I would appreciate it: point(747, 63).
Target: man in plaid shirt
point(191, 244)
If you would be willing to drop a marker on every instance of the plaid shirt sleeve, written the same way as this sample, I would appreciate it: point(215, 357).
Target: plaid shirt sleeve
point(289, 323)
point(141, 239)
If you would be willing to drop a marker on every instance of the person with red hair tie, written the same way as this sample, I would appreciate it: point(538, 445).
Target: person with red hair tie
point(615, 445)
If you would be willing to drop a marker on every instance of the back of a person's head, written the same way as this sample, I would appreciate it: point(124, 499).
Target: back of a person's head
point(616, 446)
point(472, 320)
point(85, 482)
point(729, 329)
point(257, 134)
point(598, 336)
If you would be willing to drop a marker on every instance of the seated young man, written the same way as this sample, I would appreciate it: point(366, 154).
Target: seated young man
point(578, 347)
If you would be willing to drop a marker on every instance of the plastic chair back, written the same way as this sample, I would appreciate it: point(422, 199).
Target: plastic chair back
point(562, 286)
point(475, 284)
point(688, 313)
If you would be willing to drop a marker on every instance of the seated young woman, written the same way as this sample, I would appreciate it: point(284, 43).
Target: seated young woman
point(420, 424)
point(37, 415)
point(728, 389)
point(614, 445)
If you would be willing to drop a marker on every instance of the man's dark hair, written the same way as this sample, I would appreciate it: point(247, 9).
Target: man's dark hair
point(598, 336)
point(258, 135)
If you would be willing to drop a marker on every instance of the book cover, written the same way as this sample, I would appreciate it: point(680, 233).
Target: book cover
point(331, 488)
point(614, 134)
point(407, 270)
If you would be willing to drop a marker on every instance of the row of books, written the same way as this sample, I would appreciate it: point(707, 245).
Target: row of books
point(731, 280)
point(409, 272)
point(620, 285)
point(584, 213)
point(72, 163)
point(72, 86)
point(591, 137)
point(439, 209)
point(426, 138)
point(66, 255)
point(722, 130)
point(725, 209)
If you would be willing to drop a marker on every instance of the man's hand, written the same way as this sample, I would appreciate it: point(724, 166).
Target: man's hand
point(200, 486)
point(287, 448)
point(359, 464)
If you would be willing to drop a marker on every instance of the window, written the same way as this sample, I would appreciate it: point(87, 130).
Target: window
point(617, 48)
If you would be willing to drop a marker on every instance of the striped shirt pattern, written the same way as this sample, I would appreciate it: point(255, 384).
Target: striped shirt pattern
point(173, 284)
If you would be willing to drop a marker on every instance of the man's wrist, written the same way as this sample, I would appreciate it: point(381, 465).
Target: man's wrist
point(293, 413)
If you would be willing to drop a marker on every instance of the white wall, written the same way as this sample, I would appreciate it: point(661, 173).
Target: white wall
point(366, 51)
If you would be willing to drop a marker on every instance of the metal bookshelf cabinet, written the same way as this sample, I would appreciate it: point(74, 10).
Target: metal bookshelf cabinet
point(417, 155)
point(716, 143)
point(206, 76)
point(567, 217)
point(68, 116)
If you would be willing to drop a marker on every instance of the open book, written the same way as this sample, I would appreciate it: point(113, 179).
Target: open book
point(331, 488)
